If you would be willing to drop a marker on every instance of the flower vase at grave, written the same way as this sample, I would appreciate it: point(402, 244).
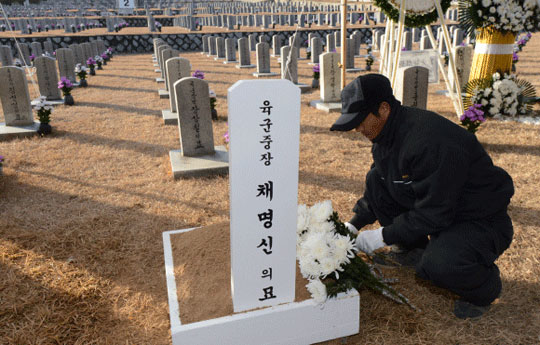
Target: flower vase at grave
point(484, 63)
point(92, 71)
point(368, 67)
point(83, 83)
point(315, 84)
point(68, 100)
point(44, 129)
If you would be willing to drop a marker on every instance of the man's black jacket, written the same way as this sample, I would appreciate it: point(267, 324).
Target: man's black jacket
point(437, 171)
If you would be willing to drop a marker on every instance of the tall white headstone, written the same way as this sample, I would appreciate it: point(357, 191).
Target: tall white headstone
point(264, 127)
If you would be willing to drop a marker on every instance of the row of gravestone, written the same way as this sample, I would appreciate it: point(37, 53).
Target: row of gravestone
point(417, 35)
point(81, 52)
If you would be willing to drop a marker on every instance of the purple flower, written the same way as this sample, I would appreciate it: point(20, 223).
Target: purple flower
point(104, 56)
point(316, 68)
point(404, 49)
point(198, 74)
point(226, 136)
point(2, 157)
point(90, 61)
point(529, 35)
point(473, 113)
point(64, 83)
point(515, 57)
point(333, 51)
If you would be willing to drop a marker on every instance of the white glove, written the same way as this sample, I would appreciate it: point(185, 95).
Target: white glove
point(370, 240)
point(351, 228)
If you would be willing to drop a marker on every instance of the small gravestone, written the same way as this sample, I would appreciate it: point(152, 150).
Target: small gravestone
point(330, 43)
point(205, 47)
point(337, 38)
point(95, 48)
point(15, 99)
point(407, 41)
point(457, 37)
point(263, 61)
point(37, 49)
point(230, 51)
point(424, 58)
point(48, 47)
point(166, 54)
point(66, 63)
point(276, 45)
point(289, 64)
point(213, 45)
point(252, 38)
point(87, 51)
point(244, 54)
point(160, 60)
point(25, 58)
point(349, 57)
point(463, 60)
point(357, 38)
point(48, 79)
point(425, 42)
point(316, 49)
point(197, 156)
point(78, 54)
point(6, 57)
point(330, 83)
point(412, 86)
point(220, 45)
point(177, 68)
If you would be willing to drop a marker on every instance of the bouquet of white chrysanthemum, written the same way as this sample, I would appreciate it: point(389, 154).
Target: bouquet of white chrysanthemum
point(326, 256)
point(501, 95)
point(504, 15)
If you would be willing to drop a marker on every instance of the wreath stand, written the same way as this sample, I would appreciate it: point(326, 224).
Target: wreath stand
point(391, 52)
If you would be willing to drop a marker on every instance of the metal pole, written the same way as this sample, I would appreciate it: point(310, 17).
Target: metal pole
point(343, 42)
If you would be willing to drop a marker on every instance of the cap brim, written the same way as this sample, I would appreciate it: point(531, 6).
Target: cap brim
point(348, 121)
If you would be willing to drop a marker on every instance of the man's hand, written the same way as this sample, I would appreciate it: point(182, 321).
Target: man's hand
point(351, 228)
point(370, 240)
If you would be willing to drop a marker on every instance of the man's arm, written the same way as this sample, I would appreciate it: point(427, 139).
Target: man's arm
point(363, 214)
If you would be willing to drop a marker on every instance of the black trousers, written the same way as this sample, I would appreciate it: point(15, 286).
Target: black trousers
point(460, 258)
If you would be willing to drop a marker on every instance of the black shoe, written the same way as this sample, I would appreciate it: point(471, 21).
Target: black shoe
point(399, 257)
point(465, 310)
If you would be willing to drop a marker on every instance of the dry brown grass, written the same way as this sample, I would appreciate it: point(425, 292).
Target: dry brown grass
point(82, 212)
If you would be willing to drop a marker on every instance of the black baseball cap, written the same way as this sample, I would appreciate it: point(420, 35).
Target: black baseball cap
point(361, 97)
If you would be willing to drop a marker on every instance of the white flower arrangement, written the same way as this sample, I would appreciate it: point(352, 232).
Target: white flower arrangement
point(327, 256)
point(503, 15)
point(500, 97)
point(42, 104)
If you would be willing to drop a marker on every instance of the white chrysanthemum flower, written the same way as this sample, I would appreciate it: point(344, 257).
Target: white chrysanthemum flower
point(309, 268)
point(486, 3)
point(329, 265)
point(317, 290)
point(484, 102)
point(344, 244)
point(302, 220)
point(317, 244)
point(320, 212)
point(324, 227)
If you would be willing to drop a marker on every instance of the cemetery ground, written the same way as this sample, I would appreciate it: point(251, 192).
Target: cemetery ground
point(82, 212)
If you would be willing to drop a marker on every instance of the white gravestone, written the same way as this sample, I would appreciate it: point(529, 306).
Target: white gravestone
point(425, 58)
point(463, 57)
point(15, 97)
point(264, 127)
point(177, 68)
point(47, 78)
point(198, 156)
point(412, 86)
point(330, 83)
point(66, 63)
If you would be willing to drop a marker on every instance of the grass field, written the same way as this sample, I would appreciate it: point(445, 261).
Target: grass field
point(82, 212)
